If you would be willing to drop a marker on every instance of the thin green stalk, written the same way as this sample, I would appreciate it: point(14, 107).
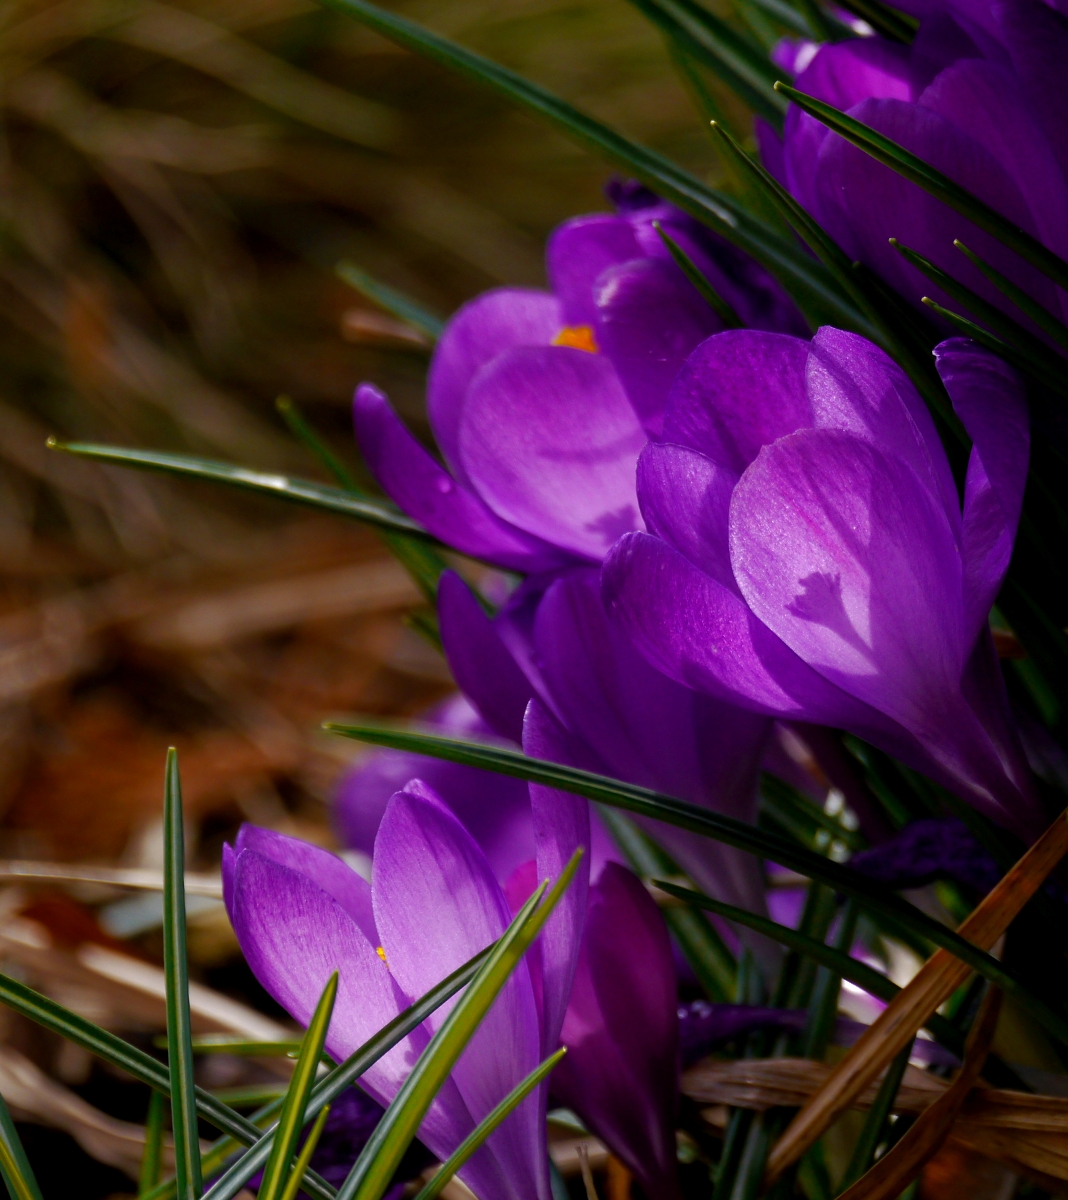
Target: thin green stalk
point(152, 1159)
point(300, 1167)
point(392, 300)
point(299, 427)
point(176, 970)
point(876, 1123)
point(823, 1007)
point(14, 1165)
point(1048, 323)
point(689, 268)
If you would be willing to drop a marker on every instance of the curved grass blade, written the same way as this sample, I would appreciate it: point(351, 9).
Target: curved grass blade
point(1036, 358)
point(646, 802)
point(706, 952)
point(823, 1004)
point(487, 1125)
point(385, 1148)
point(327, 1090)
point(298, 426)
point(296, 1176)
point(806, 280)
point(712, 298)
point(176, 969)
point(291, 1120)
point(1031, 308)
point(914, 169)
point(745, 69)
point(393, 301)
point(890, 22)
point(14, 1165)
point(152, 1159)
point(876, 1120)
point(378, 513)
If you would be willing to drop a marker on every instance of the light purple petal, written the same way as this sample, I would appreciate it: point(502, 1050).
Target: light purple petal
point(481, 664)
point(685, 499)
point(840, 550)
point(483, 328)
point(649, 318)
point(712, 408)
point(428, 494)
point(854, 387)
point(437, 904)
point(577, 253)
point(990, 400)
point(561, 825)
point(551, 442)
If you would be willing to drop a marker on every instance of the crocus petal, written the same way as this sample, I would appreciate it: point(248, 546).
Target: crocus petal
point(481, 664)
point(551, 442)
point(578, 251)
point(840, 551)
point(561, 826)
point(711, 408)
point(335, 878)
point(483, 328)
point(685, 499)
point(494, 809)
point(427, 493)
point(649, 318)
point(436, 905)
point(854, 387)
point(989, 399)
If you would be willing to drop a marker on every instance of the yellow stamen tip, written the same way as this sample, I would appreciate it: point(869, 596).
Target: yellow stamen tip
point(382, 954)
point(578, 337)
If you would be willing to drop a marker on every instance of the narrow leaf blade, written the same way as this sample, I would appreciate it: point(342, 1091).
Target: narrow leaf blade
point(14, 1165)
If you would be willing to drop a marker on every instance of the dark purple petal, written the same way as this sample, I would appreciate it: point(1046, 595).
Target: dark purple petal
point(481, 664)
point(840, 551)
point(551, 442)
point(711, 408)
point(483, 328)
point(703, 1027)
point(990, 400)
point(578, 252)
point(930, 849)
point(437, 904)
point(429, 495)
point(493, 808)
point(649, 318)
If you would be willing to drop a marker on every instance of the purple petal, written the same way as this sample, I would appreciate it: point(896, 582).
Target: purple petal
point(854, 387)
point(840, 551)
point(483, 328)
point(561, 825)
point(551, 442)
point(703, 1026)
point(712, 407)
point(437, 904)
point(649, 318)
point(578, 252)
point(493, 808)
point(428, 494)
point(481, 664)
point(989, 398)
point(685, 499)
point(332, 875)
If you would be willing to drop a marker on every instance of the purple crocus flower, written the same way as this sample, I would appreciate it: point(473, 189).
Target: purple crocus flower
point(433, 902)
point(540, 401)
point(981, 95)
point(809, 557)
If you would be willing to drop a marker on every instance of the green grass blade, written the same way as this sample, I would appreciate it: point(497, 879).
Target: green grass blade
point(14, 1165)
point(914, 169)
point(877, 1120)
point(802, 277)
point(393, 301)
point(828, 956)
point(689, 268)
point(378, 513)
point(327, 1090)
point(304, 1157)
point(745, 69)
point(706, 952)
point(897, 913)
point(176, 970)
point(291, 1120)
point(823, 1006)
point(487, 1125)
point(1042, 364)
point(890, 22)
point(1030, 365)
point(381, 1156)
point(1031, 308)
point(298, 426)
point(152, 1159)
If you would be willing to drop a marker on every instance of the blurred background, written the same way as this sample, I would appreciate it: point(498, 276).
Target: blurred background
point(177, 183)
